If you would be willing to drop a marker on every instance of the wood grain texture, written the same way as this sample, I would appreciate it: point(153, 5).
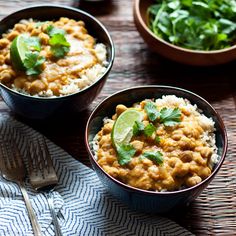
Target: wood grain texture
point(214, 212)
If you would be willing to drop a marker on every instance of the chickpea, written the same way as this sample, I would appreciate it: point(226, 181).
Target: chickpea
point(37, 86)
point(138, 145)
point(2, 59)
point(204, 173)
point(54, 87)
point(20, 27)
point(3, 43)
point(191, 181)
point(198, 159)
point(186, 156)
point(120, 109)
point(111, 170)
point(8, 59)
point(137, 171)
point(107, 128)
point(206, 152)
point(35, 32)
point(81, 23)
point(64, 20)
point(20, 82)
point(173, 161)
point(69, 29)
point(12, 35)
point(153, 172)
point(169, 183)
point(30, 27)
point(7, 75)
point(44, 38)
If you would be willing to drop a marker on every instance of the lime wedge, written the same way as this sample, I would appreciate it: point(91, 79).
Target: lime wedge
point(18, 51)
point(122, 131)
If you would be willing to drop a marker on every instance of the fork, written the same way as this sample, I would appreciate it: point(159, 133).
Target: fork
point(13, 169)
point(43, 176)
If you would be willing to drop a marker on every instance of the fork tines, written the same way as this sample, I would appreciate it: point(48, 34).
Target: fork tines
point(10, 154)
point(41, 171)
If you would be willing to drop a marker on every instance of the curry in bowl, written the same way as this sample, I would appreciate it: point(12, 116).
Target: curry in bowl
point(160, 145)
point(50, 58)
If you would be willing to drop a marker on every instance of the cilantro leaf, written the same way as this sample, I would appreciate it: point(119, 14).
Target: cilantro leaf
point(151, 110)
point(138, 127)
point(40, 23)
point(149, 130)
point(125, 153)
point(170, 116)
point(33, 63)
point(157, 139)
point(154, 156)
point(51, 30)
point(33, 43)
point(198, 25)
point(59, 45)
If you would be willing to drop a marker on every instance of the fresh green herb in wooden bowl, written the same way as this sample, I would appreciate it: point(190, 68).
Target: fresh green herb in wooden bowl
point(201, 32)
point(198, 25)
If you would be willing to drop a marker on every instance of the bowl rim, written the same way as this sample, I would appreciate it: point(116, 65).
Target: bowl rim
point(186, 50)
point(142, 191)
point(108, 68)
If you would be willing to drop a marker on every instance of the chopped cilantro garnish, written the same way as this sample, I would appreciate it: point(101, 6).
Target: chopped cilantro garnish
point(154, 156)
point(138, 127)
point(151, 110)
point(59, 45)
point(157, 139)
point(33, 43)
point(33, 63)
point(51, 30)
point(170, 116)
point(149, 130)
point(125, 153)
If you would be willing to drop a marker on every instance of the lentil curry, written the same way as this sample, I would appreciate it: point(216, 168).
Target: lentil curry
point(173, 147)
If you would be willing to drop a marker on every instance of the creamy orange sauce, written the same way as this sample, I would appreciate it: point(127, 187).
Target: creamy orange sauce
point(186, 153)
point(56, 74)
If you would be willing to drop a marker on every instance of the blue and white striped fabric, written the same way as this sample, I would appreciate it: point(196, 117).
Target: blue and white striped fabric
point(84, 207)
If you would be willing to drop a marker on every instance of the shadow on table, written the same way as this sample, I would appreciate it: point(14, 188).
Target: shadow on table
point(96, 8)
point(67, 131)
point(213, 83)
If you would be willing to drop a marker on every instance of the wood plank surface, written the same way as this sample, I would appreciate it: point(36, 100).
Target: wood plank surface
point(214, 212)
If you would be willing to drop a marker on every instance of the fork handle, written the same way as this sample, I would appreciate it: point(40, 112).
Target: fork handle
point(32, 216)
point(53, 213)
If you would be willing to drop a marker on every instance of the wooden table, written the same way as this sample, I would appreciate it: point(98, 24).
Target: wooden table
point(214, 212)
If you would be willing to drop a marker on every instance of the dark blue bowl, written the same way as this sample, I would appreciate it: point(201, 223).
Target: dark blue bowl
point(148, 201)
point(39, 108)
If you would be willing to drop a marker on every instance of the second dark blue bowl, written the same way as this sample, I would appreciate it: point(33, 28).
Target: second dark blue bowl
point(150, 201)
point(39, 107)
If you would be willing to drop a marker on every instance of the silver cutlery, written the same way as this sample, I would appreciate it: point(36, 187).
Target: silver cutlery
point(13, 169)
point(42, 176)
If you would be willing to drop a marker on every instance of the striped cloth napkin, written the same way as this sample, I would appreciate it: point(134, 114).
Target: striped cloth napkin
point(84, 207)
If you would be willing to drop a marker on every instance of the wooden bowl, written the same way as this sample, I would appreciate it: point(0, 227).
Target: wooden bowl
point(170, 51)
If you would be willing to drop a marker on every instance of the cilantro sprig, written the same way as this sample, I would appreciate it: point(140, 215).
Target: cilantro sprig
point(59, 45)
point(151, 110)
point(198, 25)
point(170, 116)
point(149, 129)
point(33, 63)
point(154, 156)
point(138, 128)
point(167, 116)
point(125, 153)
